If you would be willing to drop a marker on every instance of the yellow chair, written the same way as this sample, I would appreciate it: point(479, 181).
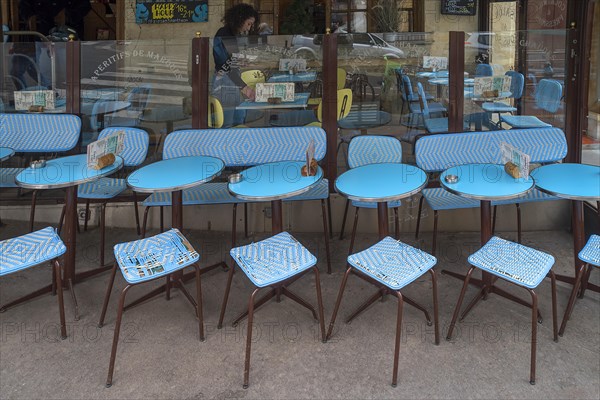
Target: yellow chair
point(317, 89)
point(344, 103)
point(216, 116)
point(253, 76)
point(310, 118)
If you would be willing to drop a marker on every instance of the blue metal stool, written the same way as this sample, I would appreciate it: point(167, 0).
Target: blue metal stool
point(518, 264)
point(394, 265)
point(146, 260)
point(22, 252)
point(274, 263)
point(590, 255)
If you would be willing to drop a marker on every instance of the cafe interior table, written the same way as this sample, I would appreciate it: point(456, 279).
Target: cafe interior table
point(299, 77)
point(576, 182)
point(6, 153)
point(273, 182)
point(381, 183)
point(300, 101)
point(174, 175)
point(486, 183)
point(65, 172)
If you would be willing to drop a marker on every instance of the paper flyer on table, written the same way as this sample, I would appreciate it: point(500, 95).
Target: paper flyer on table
point(486, 84)
point(435, 63)
point(27, 98)
point(283, 90)
point(296, 64)
point(511, 154)
point(310, 153)
point(110, 144)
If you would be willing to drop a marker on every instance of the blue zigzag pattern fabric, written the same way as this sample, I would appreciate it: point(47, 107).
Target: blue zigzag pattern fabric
point(273, 260)
point(28, 250)
point(153, 257)
point(246, 147)
point(531, 196)
point(591, 252)
point(208, 193)
point(439, 152)
point(369, 204)
point(39, 133)
point(441, 199)
point(513, 261)
point(393, 263)
point(372, 149)
point(7, 177)
point(135, 147)
point(103, 188)
point(318, 192)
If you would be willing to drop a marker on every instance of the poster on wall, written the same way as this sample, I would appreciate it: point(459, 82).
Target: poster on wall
point(165, 11)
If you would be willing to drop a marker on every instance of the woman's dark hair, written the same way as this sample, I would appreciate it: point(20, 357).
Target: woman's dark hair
point(235, 17)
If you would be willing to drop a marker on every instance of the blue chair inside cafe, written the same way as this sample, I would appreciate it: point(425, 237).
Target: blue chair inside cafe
point(432, 125)
point(547, 100)
point(516, 89)
point(484, 70)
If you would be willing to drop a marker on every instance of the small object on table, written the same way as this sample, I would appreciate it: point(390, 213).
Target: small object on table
point(36, 109)
point(490, 93)
point(235, 178)
point(38, 164)
point(104, 161)
point(313, 168)
point(274, 100)
point(512, 169)
point(451, 178)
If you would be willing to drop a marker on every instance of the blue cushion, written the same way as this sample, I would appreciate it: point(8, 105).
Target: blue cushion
point(441, 199)
point(513, 262)
point(153, 257)
point(318, 192)
point(273, 260)
point(207, 193)
point(591, 252)
point(103, 188)
point(523, 121)
point(531, 196)
point(39, 133)
point(498, 107)
point(28, 250)
point(393, 263)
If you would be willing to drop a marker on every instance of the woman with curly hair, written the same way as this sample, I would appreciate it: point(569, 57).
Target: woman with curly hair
point(228, 85)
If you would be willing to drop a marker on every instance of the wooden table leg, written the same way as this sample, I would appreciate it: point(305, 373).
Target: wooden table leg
point(276, 217)
point(382, 219)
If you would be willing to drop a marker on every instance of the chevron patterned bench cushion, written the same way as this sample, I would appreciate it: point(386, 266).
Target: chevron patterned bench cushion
point(28, 250)
point(208, 193)
point(318, 192)
point(153, 257)
point(273, 260)
point(103, 188)
point(441, 199)
point(7, 177)
point(39, 133)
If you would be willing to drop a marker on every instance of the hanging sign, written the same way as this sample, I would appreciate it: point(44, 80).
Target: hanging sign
point(459, 7)
point(164, 11)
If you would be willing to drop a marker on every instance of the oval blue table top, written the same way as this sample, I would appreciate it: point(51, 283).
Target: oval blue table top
point(381, 182)
point(175, 174)
point(64, 172)
point(6, 152)
point(485, 182)
point(569, 181)
point(305, 76)
point(274, 181)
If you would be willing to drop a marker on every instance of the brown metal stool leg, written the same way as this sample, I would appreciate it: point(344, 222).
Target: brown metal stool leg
point(61, 305)
point(435, 306)
point(534, 322)
point(584, 282)
point(419, 217)
point(199, 304)
point(111, 281)
point(61, 219)
point(249, 338)
point(32, 211)
point(554, 309)
point(87, 214)
point(145, 221)
point(337, 303)
point(397, 344)
point(327, 252)
point(226, 297)
point(320, 304)
point(344, 219)
point(396, 224)
point(518, 222)
point(246, 220)
point(74, 298)
point(113, 352)
point(435, 226)
point(137, 214)
point(102, 232)
point(353, 230)
point(459, 303)
point(329, 218)
point(572, 297)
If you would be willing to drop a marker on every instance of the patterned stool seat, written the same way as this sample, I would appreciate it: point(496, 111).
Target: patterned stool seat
point(513, 262)
point(103, 188)
point(524, 121)
point(153, 257)
point(591, 252)
point(393, 263)
point(498, 107)
point(273, 260)
point(28, 250)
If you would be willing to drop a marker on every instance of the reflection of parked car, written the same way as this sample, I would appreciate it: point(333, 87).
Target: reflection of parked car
point(354, 44)
point(479, 40)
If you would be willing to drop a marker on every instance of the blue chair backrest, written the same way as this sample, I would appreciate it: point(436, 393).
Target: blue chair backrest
point(442, 74)
point(39, 133)
point(548, 95)
point(101, 107)
point(373, 149)
point(139, 96)
point(240, 147)
point(516, 84)
point(135, 147)
point(424, 105)
point(533, 80)
point(439, 152)
point(484, 70)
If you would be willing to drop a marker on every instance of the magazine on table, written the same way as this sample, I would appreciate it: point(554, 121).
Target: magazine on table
point(510, 154)
point(264, 91)
point(112, 144)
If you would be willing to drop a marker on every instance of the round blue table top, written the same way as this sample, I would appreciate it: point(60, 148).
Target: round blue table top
point(379, 183)
point(175, 174)
point(6, 152)
point(569, 181)
point(274, 181)
point(64, 172)
point(485, 182)
point(446, 81)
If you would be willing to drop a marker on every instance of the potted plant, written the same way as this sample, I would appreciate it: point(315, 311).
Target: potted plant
point(386, 16)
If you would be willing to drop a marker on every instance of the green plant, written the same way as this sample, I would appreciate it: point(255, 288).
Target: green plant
point(298, 19)
point(386, 15)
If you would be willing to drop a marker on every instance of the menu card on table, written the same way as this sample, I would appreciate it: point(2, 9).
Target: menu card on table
point(491, 86)
point(310, 168)
point(264, 91)
point(516, 163)
point(99, 152)
point(38, 98)
point(292, 64)
point(435, 63)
